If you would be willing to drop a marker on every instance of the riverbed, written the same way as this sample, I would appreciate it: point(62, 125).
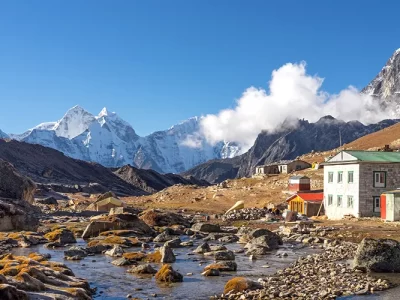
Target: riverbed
point(114, 282)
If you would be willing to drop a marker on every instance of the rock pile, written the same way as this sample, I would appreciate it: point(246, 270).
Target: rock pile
point(245, 214)
point(318, 276)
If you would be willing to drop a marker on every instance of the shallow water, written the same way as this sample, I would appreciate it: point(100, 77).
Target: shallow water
point(114, 282)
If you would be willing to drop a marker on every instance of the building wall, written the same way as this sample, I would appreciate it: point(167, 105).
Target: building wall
point(367, 189)
point(344, 189)
point(312, 208)
point(297, 165)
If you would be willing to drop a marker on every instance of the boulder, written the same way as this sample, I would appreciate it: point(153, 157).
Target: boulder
point(378, 255)
point(47, 201)
point(257, 250)
point(203, 248)
point(269, 237)
point(239, 284)
point(75, 253)
point(154, 217)
point(9, 292)
point(61, 236)
point(236, 206)
point(143, 269)
point(224, 255)
point(18, 215)
point(13, 185)
point(116, 251)
point(175, 243)
point(211, 272)
point(223, 266)
point(270, 241)
point(163, 237)
point(206, 227)
point(168, 274)
point(167, 255)
point(229, 239)
point(122, 262)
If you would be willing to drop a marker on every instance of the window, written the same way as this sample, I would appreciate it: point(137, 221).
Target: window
point(377, 204)
point(339, 201)
point(379, 179)
point(330, 200)
point(350, 202)
point(340, 177)
point(350, 177)
point(330, 177)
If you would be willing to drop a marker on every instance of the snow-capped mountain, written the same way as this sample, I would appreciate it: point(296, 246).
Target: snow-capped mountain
point(386, 85)
point(112, 142)
point(3, 135)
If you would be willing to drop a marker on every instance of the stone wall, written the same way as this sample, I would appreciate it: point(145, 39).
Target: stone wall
point(367, 189)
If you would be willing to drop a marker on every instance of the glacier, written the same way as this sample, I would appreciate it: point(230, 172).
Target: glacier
point(111, 141)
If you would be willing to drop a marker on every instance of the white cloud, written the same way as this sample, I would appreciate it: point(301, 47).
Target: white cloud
point(193, 141)
point(293, 94)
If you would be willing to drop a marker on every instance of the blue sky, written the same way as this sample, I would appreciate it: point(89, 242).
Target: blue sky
point(159, 62)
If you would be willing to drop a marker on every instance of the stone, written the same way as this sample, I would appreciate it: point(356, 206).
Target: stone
point(203, 248)
point(76, 253)
point(269, 237)
point(239, 284)
point(206, 227)
point(229, 239)
point(270, 241)
point(378, 255)
point(168, 274)
point(122, 262)
point(143, 269)
point(187, 244)
point(116, 251)
point(175, 243)
point(13, 185)
point(47, 201)
point(98, 249)
point(211, 272)
point(218, 248)
point(224, 255)
point(163, 237)
point(154, 217)
point(67, 237)
point(223, 266)
point(167, 255)
point(257, 250)
point(9, 292)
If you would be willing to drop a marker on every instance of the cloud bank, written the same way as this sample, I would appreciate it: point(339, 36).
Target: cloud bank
point(293, 94)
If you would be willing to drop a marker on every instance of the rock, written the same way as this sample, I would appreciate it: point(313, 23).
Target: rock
point(116, 222)
point(228, 239)
point(9, 292)
point(167, 255)
point(206, 227)
point(378, 255)
point(267, 238)
point(203, 248)
point(168, 274)
point(122, 262)
point(175, 243)
point(75, 253)
point(116, 251)
point(47, 201)
point(271, 242)
point(211, 272)
point(224, 255)
point(239, 284)
point(62, 236)
point(257, 250)
point(187, 244)
point(98, 249)
point(13, 185)
point(218, 248)
point(223, 266)
point(18, 215)
point(163, 237)
point(143, 269)
point(154, 217)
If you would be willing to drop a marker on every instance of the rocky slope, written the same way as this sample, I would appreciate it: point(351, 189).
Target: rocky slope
point(286, 144)
point(152, 181)
point(386, 85)
point(112, 142)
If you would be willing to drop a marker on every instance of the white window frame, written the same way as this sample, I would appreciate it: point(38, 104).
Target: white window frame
point(339, 202)
point(330, 200)
point(350, 201)
point(348, 177)
point(376, 204)
point(340, 177)
point(379, 181)
point(330, 177)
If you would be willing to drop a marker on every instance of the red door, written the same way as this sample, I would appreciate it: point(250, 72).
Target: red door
point(383, 206)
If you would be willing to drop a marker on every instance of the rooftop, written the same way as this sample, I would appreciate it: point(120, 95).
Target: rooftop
point(369, 156)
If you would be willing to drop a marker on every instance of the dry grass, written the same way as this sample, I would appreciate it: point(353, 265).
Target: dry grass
point(237, 284)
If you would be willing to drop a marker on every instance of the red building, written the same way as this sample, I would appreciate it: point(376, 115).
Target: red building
point(299, 183)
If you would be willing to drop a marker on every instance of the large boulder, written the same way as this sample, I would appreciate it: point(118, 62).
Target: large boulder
point(13, 185)
point(18, 215)
point(9, 292)
point(167, 255)
point(167, 274)
point(240, 284)
point(270, 237)
point(154, 217)
point(117, 222)
point(142, 269)
point(206, 227)
point(378, 255)
point(270, 241)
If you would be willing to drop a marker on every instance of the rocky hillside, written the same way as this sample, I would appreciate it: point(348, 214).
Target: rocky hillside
point(386, 85)
point(152, 181)
point(286, 144)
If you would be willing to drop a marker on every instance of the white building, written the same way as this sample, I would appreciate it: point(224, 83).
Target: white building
point(354, 181)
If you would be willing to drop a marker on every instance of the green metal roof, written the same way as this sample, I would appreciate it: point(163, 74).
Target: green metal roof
point(375, 156)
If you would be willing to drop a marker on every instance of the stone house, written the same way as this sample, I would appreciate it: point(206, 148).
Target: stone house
point(282, 167)
point(354, 181)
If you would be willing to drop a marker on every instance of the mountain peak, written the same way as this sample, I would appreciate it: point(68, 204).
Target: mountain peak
point(105, 112)
point(75, 121)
